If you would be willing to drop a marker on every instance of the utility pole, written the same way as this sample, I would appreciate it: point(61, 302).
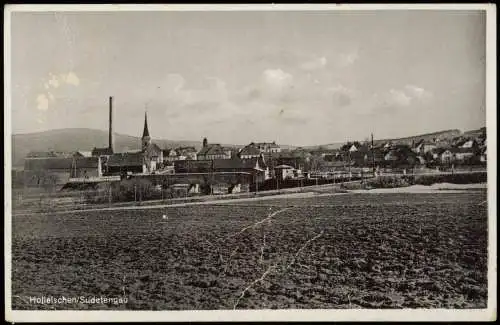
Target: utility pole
point(110, 197)
point(256, 183)
point(349, 165)
point(373, 158)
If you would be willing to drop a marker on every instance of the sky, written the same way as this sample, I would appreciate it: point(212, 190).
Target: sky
point(297, 78)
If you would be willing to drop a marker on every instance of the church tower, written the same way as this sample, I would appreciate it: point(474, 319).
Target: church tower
point(146, 139)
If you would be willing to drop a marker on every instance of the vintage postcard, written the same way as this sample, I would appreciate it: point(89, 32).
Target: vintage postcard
point(250, 162)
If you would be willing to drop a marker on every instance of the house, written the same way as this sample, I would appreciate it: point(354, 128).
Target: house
point(48, 171)
point(448, 156)
point(422, 147)
point(193, 166)
point(421, 160)
point(153, 156)
point(291, 159)
point(186, 153)
point(268, 147)
point(86, 167)
point(464, 154)
point(283, 172)
point(457, 155)
point(357, 158)
point(436, 153)
point(41, 154)
point(80, 153)
point(220, 188)
point(102, 152)
point(483, 157)
point(213, 151)
point(469, 144)
point(256, 167)
point(374, 156)
point(126, 163)
point(250, 151)
point(48, 154)
point(170, 155)
point(392, 156)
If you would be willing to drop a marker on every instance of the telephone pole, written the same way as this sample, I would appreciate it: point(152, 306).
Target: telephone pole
point(373, 158)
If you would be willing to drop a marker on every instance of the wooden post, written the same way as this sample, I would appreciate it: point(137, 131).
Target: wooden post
point(373, 158)
point(110, 194)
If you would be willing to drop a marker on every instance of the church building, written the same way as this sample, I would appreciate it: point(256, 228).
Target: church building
point(153, 155)
point(145, 161)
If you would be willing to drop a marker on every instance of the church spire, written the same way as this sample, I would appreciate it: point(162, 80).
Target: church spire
point(145, 133)
point(146, 139)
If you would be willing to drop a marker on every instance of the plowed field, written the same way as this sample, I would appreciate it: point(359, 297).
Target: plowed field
point(343, 251)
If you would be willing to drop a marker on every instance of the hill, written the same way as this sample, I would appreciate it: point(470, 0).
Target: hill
point(441, 135)
point(475, 133)
point(79, 139)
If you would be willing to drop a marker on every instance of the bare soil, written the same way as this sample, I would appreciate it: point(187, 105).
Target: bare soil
point(347, 251)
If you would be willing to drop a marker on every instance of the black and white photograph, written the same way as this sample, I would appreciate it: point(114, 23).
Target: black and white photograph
point(250, 162)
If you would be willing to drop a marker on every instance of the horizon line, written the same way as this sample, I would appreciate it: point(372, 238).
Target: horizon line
point(313, 145)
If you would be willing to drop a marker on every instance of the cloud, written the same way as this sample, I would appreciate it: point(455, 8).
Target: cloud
point(71, 79)
point(417, 92)
point(174, 82)
point(42, 102)
point(398, 98)
point(405, 97)
point(341, 95)
point(52, 86)
point(273, 85)
point(277, 78)
point(314, 64)
point(53, 82)
point(347, 59)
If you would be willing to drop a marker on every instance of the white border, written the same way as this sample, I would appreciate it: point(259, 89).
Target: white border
point(266, 315)
point(246, 7)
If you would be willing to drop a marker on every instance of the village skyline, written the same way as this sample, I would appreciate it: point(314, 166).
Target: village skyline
point(391, 74)
point(256, 140)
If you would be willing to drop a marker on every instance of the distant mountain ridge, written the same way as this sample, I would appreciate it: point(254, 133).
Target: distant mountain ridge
point(441, 135)
point(67, 140)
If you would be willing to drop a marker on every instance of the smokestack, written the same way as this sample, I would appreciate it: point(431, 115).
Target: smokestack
point(111, 144)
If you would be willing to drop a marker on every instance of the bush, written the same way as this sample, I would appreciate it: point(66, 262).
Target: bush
point(388, 182)
point(472, 178)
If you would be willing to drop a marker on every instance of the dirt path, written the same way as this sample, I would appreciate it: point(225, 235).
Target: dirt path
point(158, 206)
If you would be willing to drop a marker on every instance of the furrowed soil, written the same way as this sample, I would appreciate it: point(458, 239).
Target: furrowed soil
point(344, 251)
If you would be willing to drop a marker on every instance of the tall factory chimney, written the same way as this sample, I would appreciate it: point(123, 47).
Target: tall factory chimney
point(111, 140)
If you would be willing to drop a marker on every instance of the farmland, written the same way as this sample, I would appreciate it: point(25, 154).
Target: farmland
point(341, 251)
